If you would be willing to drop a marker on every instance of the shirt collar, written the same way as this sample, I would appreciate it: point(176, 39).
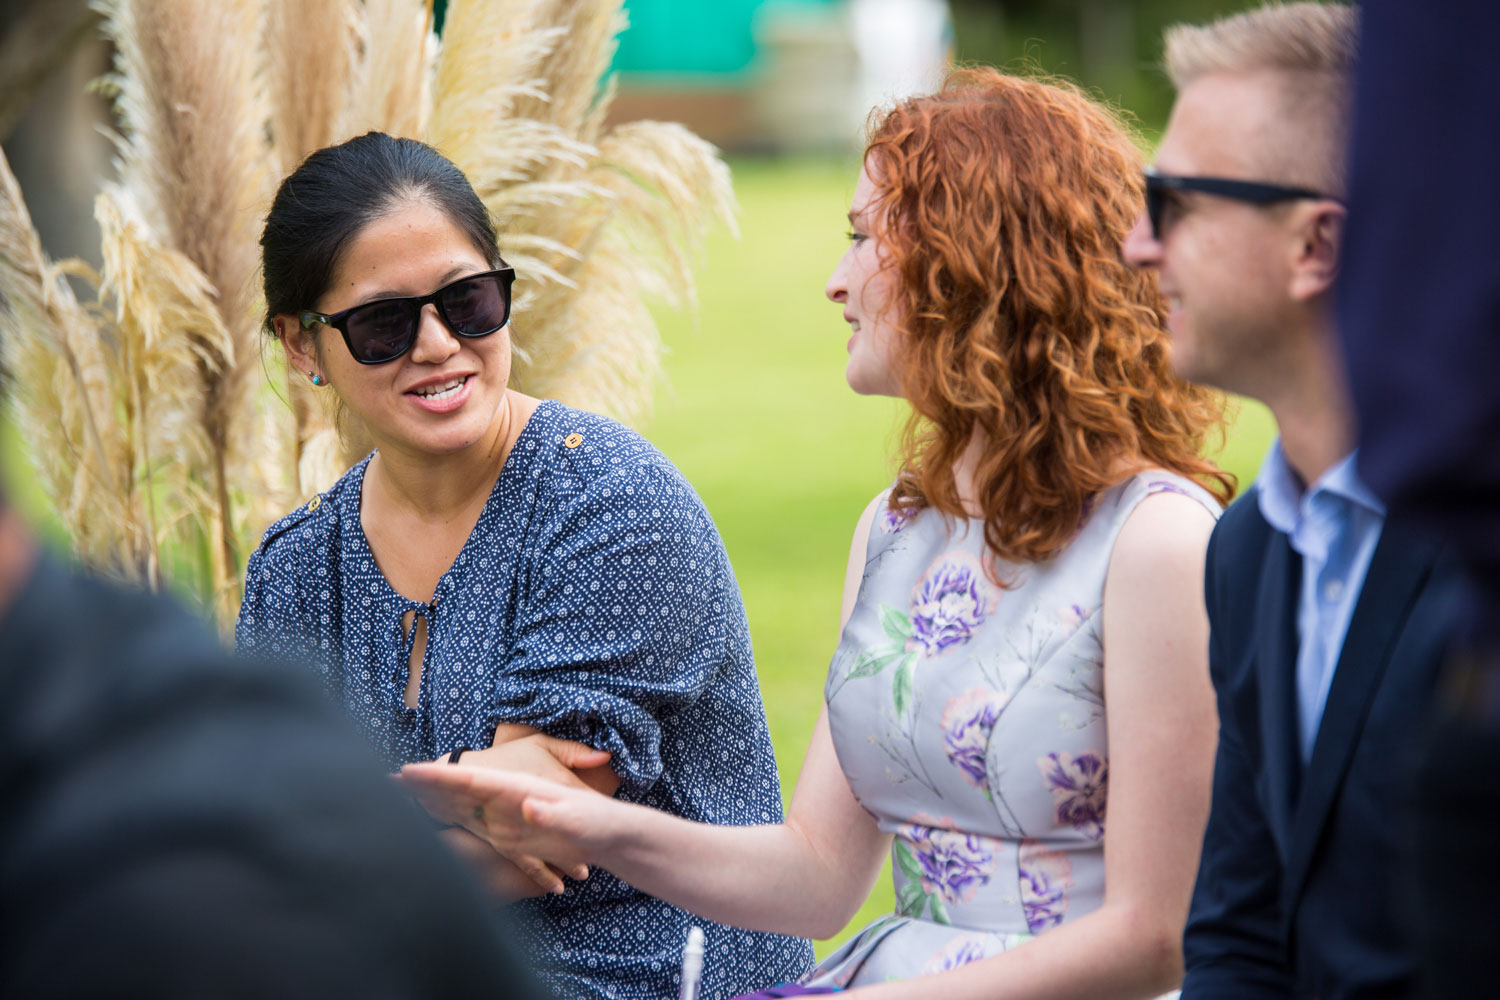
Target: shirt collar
point(1279, 492)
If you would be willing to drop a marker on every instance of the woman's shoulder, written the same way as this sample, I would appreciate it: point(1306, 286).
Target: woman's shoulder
point(1161, 519)
point(313, 522)
point(592, 457)
point(592, 443)
point(1175, 490)
point(1161, 514)
point(885, 529)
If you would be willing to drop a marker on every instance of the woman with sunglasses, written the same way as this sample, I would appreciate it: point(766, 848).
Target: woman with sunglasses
point(1035, 572)
point(504, 582)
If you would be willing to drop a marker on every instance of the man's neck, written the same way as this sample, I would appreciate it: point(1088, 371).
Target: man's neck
point(1314, 414)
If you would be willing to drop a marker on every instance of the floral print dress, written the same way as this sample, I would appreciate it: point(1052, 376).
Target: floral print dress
point(970, 722)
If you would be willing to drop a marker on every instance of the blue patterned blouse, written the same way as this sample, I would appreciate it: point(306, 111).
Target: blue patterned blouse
point(593, 600)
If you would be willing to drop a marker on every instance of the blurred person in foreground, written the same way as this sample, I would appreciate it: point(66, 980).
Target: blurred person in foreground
point(504, 582)
point(1023, 638)
point(1420, 313)
point(1328, 620)
point(182, 824)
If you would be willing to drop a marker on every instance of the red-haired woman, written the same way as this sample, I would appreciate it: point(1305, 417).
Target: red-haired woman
point(1024, 641)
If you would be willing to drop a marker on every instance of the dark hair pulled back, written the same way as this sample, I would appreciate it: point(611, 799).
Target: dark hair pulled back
point(337, 191)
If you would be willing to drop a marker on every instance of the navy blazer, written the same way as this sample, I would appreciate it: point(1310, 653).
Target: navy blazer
point(1297, 891)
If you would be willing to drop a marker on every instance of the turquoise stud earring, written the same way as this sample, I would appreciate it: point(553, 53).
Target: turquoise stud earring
point(316, 378)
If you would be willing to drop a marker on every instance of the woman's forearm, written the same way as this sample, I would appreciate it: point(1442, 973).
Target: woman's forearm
point(807, 876)
point(765, 878)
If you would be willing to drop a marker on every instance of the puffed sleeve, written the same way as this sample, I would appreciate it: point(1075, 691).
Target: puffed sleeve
point(628, 613)
point(279, 619)
point(250, 626)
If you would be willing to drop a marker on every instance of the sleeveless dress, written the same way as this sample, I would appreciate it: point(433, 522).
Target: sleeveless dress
point(969, 720)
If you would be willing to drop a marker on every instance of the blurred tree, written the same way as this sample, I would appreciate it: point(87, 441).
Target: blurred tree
point(37, 37)
point(1110, 46)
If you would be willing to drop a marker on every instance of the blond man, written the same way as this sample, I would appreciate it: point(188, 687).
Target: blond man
point(1327, 621)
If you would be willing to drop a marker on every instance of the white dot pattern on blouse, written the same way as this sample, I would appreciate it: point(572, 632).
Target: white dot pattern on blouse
point(593, 601)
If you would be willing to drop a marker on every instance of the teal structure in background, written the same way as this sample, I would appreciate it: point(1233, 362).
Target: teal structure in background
point(688, 38)
point(680, 37)
point(691, 38)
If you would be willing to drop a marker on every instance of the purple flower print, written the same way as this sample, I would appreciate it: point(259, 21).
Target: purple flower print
point(949, 603)
point(1073, 615)
point(1046, 876)
point(894, 519)
point(1166, 486)
point(954, 865)
point(1079, 787)
point(967, 722)
point(959, 951)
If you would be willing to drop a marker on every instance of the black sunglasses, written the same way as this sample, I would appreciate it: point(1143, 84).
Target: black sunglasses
point(1159, 185)
point(475, 305)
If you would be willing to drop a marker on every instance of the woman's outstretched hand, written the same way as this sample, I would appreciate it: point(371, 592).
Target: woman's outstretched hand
point(545, 759)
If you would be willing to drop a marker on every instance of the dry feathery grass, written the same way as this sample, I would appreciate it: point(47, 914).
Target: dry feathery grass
point(311, 60)
point(642, 234)
point(109, 400)
point(156, 425)
point(311, 53)
point(392, 89)
point(59, 392)
point(192, 108)
point(595, 223)
point(167, 330)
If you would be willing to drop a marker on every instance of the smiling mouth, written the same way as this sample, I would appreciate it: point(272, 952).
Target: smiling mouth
point(444, 390)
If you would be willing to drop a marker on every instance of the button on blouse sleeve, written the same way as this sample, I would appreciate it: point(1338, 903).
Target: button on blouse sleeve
point(627, 617)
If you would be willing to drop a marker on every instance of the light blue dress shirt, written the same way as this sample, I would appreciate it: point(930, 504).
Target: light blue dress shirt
point(1334, 526)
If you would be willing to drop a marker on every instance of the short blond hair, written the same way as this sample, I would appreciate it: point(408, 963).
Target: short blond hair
point(1313, 45)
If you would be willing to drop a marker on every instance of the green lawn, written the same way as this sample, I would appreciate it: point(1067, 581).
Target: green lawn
point(759, 419)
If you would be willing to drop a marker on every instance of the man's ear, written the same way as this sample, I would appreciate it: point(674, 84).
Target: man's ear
point(298, 342)
point(1319, 233)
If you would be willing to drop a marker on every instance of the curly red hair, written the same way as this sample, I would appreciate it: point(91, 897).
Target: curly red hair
point(1005, 202)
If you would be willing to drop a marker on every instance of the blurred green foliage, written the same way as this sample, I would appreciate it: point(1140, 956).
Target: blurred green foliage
point(1113, 47)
